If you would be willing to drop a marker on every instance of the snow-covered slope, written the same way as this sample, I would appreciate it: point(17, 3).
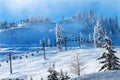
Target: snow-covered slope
point(30, 33)
point(37, 28)
point(84, 23)
point(110, 75)
point(72, 29)
point(35, 66)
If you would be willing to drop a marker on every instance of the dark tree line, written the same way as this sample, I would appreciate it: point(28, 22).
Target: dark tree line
point(6, 25)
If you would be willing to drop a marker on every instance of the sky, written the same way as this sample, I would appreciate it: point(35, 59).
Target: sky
point(55, 9)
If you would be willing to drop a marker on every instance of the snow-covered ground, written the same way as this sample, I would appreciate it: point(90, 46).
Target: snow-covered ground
point(36, 67)
point(110, 75)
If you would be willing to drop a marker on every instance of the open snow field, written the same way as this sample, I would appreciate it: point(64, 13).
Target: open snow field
point(36, 67)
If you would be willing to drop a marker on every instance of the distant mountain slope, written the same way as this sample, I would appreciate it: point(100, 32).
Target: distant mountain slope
point(30, 33)
point(84, 23)
point(37, 28)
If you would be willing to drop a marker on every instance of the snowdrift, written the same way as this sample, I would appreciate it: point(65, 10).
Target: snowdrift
point(110, 75)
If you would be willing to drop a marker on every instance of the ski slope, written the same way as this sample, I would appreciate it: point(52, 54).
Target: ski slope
point(36, 67)
point(27, 34)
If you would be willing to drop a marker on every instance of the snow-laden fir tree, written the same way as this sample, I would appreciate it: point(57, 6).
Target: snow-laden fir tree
point(110, 60)
point(89, 38)
point(12, 24)
point(53, 74)
point(58, 36)
point(98, 34)
point(65, 42)
point(49, 42)
point(41, 78)
point(63, 76)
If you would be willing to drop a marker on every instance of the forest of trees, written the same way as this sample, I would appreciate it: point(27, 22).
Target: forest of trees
point(36, 19)
point(6, 25)
point(93, 23)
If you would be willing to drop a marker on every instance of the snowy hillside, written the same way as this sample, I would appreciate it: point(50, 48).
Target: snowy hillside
point(35, 66)
point(29, 34)
point(111, 75)
point(84, 23)
point(31, 30)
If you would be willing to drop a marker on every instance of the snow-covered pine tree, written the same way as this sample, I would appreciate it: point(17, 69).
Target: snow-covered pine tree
point(12, 24)
point(111, 61)
point(53, 74)
point(98, 35)
point(49, 42)
point(5, 25)
point(89, 38)
point(91, 20)
point(116, 24)
point(58, 36)
point(41, 78)
point(1, 24)
point(64, 76)
point(65, 42)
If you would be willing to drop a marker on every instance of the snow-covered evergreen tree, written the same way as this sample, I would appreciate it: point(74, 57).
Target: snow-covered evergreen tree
point(49, 42)
point(53, 74)
point(89, 38)
point(41, 78)
point(65, 40)
point(13, 24)
point(116, 24)
point(111, 61)
point(58, 36)
point(63, 76)
point(5, 25)
point(98, 35)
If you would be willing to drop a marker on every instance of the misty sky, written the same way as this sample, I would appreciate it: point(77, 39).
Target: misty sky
point(55, 9)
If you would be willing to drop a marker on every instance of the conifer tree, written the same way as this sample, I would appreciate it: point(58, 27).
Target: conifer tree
point(41, 78)
point(98, 34)
point(58, 37)
point(65, 42)
point(111, 61)
point(64, 76)
point(53, 74)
